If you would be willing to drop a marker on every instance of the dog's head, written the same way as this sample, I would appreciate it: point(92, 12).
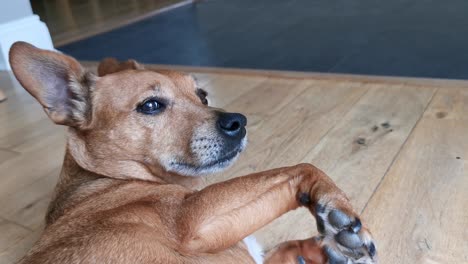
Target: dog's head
point(130, 122)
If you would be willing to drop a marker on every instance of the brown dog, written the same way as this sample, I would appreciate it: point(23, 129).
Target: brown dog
point(126, 194)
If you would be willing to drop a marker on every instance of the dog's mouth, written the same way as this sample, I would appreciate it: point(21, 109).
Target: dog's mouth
point(219, 164)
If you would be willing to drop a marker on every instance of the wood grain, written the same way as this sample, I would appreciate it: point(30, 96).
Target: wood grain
point(6, 155)
point(11, 233)
point(37, 159)
point(357, 151)
point(18, 247)
point(28, 205)
point(223, 89)
point(419, 212)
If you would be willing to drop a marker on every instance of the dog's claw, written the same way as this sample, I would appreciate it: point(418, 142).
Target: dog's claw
point(371, 249)
point(356, 226)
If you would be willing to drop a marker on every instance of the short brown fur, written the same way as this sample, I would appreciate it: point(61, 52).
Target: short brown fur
point(121, 199)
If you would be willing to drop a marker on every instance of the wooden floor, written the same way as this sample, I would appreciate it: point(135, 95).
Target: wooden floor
point(399, 149)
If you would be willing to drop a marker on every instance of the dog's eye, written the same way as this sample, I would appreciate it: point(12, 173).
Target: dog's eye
point(202, 94)
point(204, 101)
point(150, 107)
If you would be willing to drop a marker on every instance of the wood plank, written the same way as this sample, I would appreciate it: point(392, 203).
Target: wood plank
point(203, 79)
point(11, 233)
point(280, 92)
point(13, 115)
point(27, 205)
point(355, 153)
point(6, 154)
point(37, 159)
point(419, 212)
point(11, 87)
point(18, 248)
point(19, 115)
point(6, 82)
point(224, 89)
point(358, 151)
point(27, 133)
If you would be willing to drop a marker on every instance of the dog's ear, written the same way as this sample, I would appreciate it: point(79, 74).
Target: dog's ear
point(111, 65)
point(60, 84)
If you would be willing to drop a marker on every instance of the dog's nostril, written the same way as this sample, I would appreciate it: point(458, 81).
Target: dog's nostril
point(232, 127)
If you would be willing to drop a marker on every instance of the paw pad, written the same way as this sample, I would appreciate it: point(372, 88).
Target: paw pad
point(349, 239)
point(339, 219)
point(334, 257)
point(345, 240)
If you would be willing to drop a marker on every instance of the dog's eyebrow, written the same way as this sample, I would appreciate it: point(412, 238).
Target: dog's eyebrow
point(155, 86)
point(202, 94)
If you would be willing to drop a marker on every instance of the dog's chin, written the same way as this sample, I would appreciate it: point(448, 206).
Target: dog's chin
point(218, 165)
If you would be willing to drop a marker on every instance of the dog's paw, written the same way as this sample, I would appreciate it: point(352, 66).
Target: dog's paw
point(344, 238)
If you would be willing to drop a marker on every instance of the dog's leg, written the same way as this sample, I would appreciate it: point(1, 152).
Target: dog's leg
point(297, 252)
point(222, 214)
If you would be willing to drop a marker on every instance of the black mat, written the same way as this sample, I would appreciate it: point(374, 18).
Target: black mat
point(424, 38)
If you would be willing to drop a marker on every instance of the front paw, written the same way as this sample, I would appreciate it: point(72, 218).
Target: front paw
point(344, 238)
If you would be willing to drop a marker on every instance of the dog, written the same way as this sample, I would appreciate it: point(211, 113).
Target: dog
point(137, 141)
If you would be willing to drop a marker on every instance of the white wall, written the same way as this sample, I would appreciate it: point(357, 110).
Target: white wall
point(14, 9)
point(18, 23)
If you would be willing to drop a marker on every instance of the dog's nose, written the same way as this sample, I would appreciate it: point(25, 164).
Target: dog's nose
point(232, 124)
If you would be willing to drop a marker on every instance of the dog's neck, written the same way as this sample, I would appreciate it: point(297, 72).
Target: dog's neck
point(127, 169)
point(69, 189)
point(79, 179)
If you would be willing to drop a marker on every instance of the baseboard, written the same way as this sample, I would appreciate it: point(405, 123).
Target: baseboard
point(30, 29)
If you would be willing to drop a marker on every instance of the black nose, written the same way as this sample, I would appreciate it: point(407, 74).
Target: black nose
point(232, 124)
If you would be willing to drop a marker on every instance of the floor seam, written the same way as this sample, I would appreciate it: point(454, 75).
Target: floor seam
point(333, 126)
point(399, 151)
point(10, 150)
point(15, 223)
